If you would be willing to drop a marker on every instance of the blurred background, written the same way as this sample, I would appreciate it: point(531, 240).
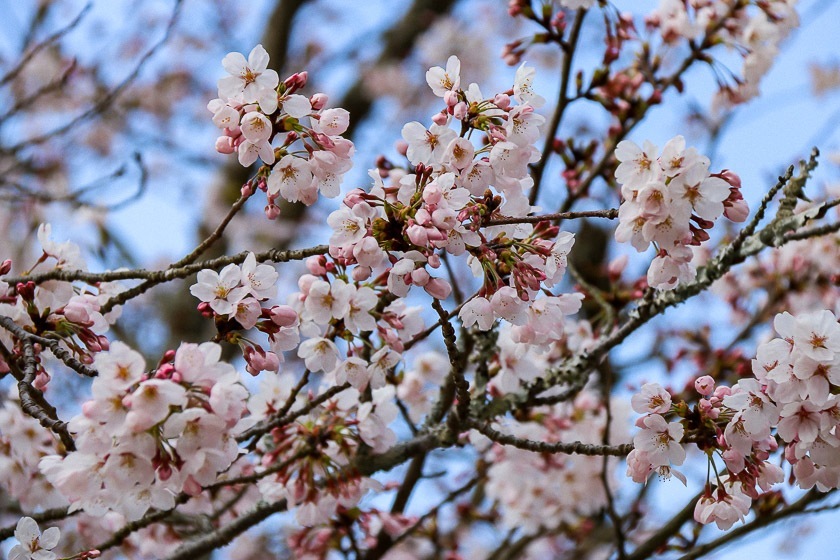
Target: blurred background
point(104, 133)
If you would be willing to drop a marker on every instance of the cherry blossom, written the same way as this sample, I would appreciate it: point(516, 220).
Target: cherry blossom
point(34, 545)
point(443, 80)
point(222, 290)
point(250, 81)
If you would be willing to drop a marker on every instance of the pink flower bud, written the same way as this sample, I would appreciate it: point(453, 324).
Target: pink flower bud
point(440, 118)
point(450, 98)
point(296, 81)
point(402, 147)
point(704, 385)
point(502, 101)
point(319, 101)
point(283, 316)
point(419, 277)
point(432, 194)
point(459, 111)
point(722, 391)
point(272, 211)
point(316, 265)
point(204, 309)
point(738, 211)
point(361, 273)
point(438, 288)
point(6, 266)
point(354, 197)
point(730, 177)
point(224, 145)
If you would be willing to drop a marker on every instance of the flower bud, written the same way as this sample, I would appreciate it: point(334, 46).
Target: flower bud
point(319, 101)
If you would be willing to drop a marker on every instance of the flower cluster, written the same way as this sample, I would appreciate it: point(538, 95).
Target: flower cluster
point(448, 196)
point(145, 438)
point(312, 450)
point(59, 308)
point(791, 401)
point(671, 200)
point(799, 276)
point(23, 443)
point(755, 33)
point(525, 483)
point(254, 109)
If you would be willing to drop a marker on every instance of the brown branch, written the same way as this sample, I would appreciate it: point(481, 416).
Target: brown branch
point(54, 345)
point(571, 448)
point(610, 214)
point(32, 401)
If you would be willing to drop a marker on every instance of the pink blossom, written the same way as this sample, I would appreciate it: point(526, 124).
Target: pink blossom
point(660, 440)
point(34, 545)
point(222, 290)
point(477, 310)
point(290, 177)
point(725, 506)
point(444, 80)
point(651, 399)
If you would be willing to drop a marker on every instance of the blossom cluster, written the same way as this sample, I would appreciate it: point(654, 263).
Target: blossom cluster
point(446, 198)
point(672, 200)
point(23, 443)
point(146, 437)
point(254, 108)
point(526, 483)
point(799, 276)
point(313, 449)
point(55, 306)
point(790, 401)
point(754, 29)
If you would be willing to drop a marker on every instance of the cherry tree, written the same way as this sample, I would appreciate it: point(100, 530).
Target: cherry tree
point(412, 344)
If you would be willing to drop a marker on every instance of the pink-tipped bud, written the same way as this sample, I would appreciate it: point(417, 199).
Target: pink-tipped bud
point(438, 288)
point(402, 147)
point(26, 290)
point(502, 101)
point(419, 277)
point(440, 118)
point(361, 273)
point(316, 265)
point(205, 310)
point(224, 145)
point(296, 81)
point(272, 211)
point(459, 111)
point(319, 101)
point(247, 189)
point(354, 197)
point(6, 267)
point(432, 195)
point(730, 177)
point(705, 385)
point(450, 98)
point(737, 211)
point(283, 316)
